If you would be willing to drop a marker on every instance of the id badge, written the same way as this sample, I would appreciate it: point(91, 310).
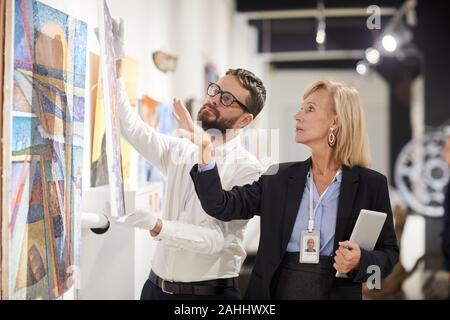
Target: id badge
point(309, 246)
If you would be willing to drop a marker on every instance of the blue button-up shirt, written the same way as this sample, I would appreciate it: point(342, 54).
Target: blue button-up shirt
point(325, 219)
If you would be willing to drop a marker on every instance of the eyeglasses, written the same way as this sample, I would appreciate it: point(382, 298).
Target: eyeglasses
point(226, 98)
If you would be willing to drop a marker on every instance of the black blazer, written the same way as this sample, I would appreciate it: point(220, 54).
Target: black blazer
point(276, 198)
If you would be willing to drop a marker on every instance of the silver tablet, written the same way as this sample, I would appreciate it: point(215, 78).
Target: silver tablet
point(367, 230)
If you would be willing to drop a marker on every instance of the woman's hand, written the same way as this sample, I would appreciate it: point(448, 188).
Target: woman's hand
point(347, 257)
point(194, 133)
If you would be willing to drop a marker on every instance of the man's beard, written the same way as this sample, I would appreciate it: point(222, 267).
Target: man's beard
point(207, 124)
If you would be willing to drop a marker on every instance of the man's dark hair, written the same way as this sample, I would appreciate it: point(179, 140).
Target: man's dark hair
point(253, 84)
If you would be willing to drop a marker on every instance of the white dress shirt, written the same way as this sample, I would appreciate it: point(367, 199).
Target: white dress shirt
point(193, 246)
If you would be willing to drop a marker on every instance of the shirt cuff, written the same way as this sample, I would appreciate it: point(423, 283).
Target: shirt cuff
point(207, 167)
point(166, 232)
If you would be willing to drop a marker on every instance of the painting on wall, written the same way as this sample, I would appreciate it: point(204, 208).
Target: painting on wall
point(210, 73)
point(159, 116)
point(99, 167)
point(112, 127)
point(41, 225)
point(164, 61)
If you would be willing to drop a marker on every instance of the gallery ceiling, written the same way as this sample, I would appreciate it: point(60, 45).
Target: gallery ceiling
point(287, 30)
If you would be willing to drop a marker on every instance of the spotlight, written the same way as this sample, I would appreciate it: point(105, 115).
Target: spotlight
point(389, 43)
point(372, 55)
point(361, 68)
point(320, 37)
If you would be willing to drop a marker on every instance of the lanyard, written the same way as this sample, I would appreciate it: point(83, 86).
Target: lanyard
point(312, 212)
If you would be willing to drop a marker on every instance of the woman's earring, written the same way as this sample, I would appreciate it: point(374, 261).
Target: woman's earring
point(332, 138)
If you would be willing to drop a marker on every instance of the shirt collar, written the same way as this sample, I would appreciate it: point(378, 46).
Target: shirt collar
point(338, 178)
point(332, 185)
point(229, 145)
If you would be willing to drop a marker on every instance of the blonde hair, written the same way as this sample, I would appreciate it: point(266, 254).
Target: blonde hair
point(352, 141)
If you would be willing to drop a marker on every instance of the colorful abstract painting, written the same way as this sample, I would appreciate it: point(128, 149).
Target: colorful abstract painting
point(46, 143)
point(99, 168)
point(112, 127)
point(159, 116)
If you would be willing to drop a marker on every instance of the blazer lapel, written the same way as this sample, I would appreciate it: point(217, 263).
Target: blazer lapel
point(296, 185)
point(349, 186)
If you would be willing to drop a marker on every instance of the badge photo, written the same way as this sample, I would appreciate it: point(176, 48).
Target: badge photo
point(309, 247)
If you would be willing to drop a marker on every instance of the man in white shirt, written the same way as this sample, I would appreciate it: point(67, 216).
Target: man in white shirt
point(197, 256)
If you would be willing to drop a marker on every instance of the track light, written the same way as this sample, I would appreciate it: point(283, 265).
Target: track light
point(361, 68)
point(321, 35)
point(389, 43)
point(372, 55)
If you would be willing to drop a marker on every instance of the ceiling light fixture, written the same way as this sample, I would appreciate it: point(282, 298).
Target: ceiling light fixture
point(321, 25)
point(372, 55)
point(362, 68)
point(389, 43)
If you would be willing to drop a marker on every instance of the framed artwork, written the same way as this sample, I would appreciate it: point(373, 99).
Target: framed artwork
point(45, 68)
point(112, 126)
point(164, 61)
point(99, 167)
point(210, 73)
point(159, 116)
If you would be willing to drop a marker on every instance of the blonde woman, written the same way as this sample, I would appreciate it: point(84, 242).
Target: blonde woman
point(318, 198)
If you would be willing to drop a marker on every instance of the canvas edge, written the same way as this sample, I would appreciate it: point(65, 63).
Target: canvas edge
point(6, 157)
point(102, 8)
point(2, 38)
